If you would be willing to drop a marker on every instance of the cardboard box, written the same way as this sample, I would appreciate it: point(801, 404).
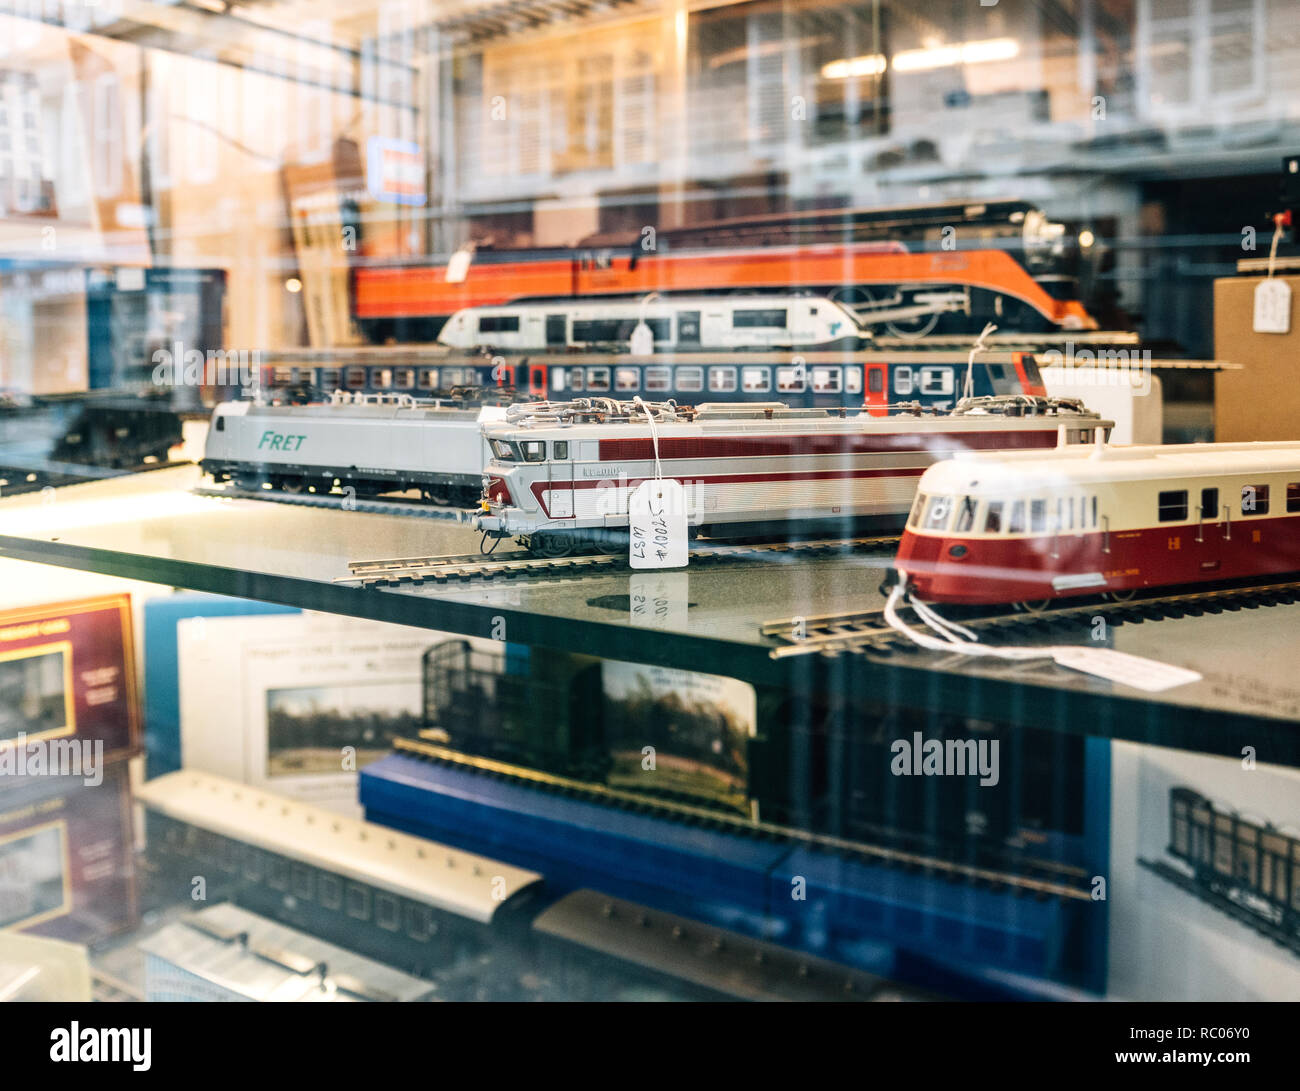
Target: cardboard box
point(1261, 401)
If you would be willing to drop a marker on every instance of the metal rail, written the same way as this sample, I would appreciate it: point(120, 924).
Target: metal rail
point(468, 566)
point(416, 509)
point(731, 823)
point(833, 634)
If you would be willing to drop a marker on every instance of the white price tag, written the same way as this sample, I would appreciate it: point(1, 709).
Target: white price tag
point(657, 536)
point(1272, 306)
point(1132, 670)
point(658, 601)
point(458, 266)
point(642, 342)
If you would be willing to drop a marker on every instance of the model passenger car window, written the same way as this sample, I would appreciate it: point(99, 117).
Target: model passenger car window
point(756, 379)
point(790, 379)
point(1171, 506)
point(993, 518)
point(626, 378)
point(498, 323)
point(1293, 496)
point(722, 380)
point(658, 378)
point(690, 379)
point(597, 378)
point(1254, 500)
point(826, 380)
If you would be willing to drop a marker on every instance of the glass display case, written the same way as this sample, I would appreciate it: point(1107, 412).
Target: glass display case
point(615, 500)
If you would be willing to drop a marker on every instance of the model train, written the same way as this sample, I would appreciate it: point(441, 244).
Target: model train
point(561, 473)
point(373, 444)
point(1255, 865)
point(1020, 527)
point(1016, 266)
point(824, 380)
point(477, 927)
point(681, 324)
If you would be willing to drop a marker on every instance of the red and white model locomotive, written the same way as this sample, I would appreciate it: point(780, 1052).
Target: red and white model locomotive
point(561, 473)
point(1035, 526)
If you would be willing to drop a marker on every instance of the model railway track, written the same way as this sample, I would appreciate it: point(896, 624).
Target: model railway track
point(461, 568)
point(416, 509)
point(835, 634)
point(1040, 879)
point(1224, 904)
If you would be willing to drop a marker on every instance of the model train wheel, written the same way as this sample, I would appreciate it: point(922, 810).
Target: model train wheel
point(291, 485)
point(1033, 607)
point(550, 545)
point(438, 494)
point(1121, 596)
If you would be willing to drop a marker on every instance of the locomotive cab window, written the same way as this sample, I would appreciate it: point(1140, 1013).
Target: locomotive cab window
point(504, 451)
point(221, 424)
point(1171, 506)
point(918, 506)
point(560, 449)
point(498, 323)
point(1037, 516)
point(1293, 496)
point(966, 514)
point(993, 517)
point(1016, 524)
point(937, 515)
point(1254, 500)
point(534, 450)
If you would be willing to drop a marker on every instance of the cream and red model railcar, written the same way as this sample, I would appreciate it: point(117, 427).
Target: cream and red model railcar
point(1029, 527)
point(561, 473)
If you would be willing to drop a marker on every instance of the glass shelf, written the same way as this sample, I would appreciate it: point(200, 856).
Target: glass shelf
point(154, 527)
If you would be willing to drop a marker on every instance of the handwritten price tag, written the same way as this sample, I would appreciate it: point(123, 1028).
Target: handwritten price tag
point(1132, 670)
point(1272, 306)
point(657, 536)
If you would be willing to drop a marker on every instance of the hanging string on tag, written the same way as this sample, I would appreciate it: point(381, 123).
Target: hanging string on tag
point(968, 387)
point(949, 636)
point(656, 509)
point(1277, 237)
point(654, 435)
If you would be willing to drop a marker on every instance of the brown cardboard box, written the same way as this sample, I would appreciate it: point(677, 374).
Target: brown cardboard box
point(1262, 400)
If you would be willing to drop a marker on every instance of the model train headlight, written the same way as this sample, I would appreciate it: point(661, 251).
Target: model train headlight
point(957, 552)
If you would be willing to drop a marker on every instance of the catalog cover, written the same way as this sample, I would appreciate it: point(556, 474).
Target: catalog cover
point(67, 672)
point(1204, 887)
point(298, 703)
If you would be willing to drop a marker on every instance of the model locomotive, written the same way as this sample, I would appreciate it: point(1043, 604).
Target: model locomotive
point(1023, 272)
point(372, 444)
point(683, 324)
point(561, 473)
point(1022, 527)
